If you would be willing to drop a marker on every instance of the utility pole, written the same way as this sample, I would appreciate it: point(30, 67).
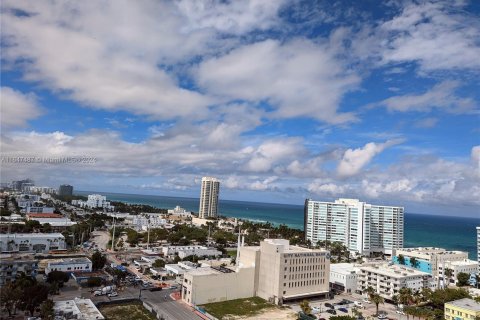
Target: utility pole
point(148, 233)
point(113, 235)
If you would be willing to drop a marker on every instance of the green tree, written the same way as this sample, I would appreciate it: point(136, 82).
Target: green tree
point(58, 277)
point(401, 259)
point(305, 306)
point(46, 310)
point(448, 275)
point(159, 263)
point(441, 296)
point(370, 291)
point(98, 260)
point(377, 299)
point(10, 297)
point(463, 278)
point(33, 297)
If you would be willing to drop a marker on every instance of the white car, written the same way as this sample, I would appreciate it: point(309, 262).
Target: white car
point(113, 294)
point(315, 310)
point(400, 312)
point(358, 304)
point(366, 300)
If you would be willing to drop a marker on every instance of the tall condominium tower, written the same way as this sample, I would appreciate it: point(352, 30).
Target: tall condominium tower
point(363, 228)
point(478, 248)
point(209, 198)
point(65, 190)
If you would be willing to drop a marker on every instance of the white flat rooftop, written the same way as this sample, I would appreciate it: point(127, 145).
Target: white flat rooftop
point(32, 236)
point(466, 303)
point(394, 271)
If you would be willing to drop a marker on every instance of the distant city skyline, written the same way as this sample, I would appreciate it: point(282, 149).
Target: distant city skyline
point(281, 101)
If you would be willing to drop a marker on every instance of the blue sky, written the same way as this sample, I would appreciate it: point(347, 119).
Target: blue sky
point(281, 100)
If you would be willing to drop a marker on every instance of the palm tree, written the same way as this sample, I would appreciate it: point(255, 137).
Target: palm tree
point(305, 306)
point(401, 259)
point(370, 291)
point(448, 274)
point(377, 299)
point(414, 262)
point(426, 294)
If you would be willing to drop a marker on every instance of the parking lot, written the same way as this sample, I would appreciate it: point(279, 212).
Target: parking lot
point(368, 309)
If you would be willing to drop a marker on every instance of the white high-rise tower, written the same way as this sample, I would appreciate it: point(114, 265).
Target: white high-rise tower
point(209, 198)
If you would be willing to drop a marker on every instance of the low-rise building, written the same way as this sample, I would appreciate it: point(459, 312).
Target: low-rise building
point(44, 210)
point(427, 259)
point(180, 268)
point(32, 242)
point(77, 309)
point(185, 251)
point(13, 265)
point(463, 309)
point(179, 211)
point(343, 277)
point(388, 279)
point(69, 265)
point(467, 266)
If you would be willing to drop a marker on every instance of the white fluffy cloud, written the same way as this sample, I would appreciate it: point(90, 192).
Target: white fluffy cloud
point(299, 78)
point(441, 96)
point(17, 108)
point(436, 34)
point(355, 159)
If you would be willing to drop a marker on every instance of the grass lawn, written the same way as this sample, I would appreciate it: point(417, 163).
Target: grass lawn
point(232, 253)
point(238, 307)
point(126, 312)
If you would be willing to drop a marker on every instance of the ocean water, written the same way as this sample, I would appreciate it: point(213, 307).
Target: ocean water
point(453, 233)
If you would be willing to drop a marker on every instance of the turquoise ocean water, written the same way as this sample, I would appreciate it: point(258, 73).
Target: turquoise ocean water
point(453, 233)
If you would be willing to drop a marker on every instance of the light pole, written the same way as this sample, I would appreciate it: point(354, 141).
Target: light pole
point(113, 235)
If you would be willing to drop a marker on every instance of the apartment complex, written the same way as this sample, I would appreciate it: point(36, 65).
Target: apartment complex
point(185, 251)
point(463, 309)
point(209, 198)
point(31, 242)
point(13, 265)
point(274, 271)
point(363, 228)
point(94, 201)
point(65, 190)
point(428, 259)
point(387, 280)
point(478, 248)
point(467, 266)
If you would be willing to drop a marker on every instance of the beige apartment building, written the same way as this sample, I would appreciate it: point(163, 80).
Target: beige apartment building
point(274, 271)
point(388, 279)
point(209, 198)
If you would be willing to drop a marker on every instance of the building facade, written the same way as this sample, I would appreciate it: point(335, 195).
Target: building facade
point(69, 265)
point(65, 190)
point(467, 266)
point(429, 259)
point(209, 198)
point(32, 242)
point(274, 271)
point(363, 228)
point(463, 309)
point(343, 277)
point(13, 265)
point(388, 279)
point(478, 248)
point(185, 251)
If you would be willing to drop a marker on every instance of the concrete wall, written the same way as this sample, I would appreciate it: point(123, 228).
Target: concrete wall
point(202, 289)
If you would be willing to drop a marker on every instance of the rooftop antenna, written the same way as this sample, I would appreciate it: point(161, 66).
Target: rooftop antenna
point(238, 246)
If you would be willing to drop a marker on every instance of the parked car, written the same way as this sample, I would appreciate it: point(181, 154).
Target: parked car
point(366, 300)
point(358, 304)
point(343, 310)
point(328, 305)
point(382, 315)
point(172, 287)
point(315, 310)
point(113, 294)
point(155, 289)
point(332, 311)
point(321, 318)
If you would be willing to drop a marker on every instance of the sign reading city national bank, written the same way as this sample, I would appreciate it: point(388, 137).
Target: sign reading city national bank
point(307, 254)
